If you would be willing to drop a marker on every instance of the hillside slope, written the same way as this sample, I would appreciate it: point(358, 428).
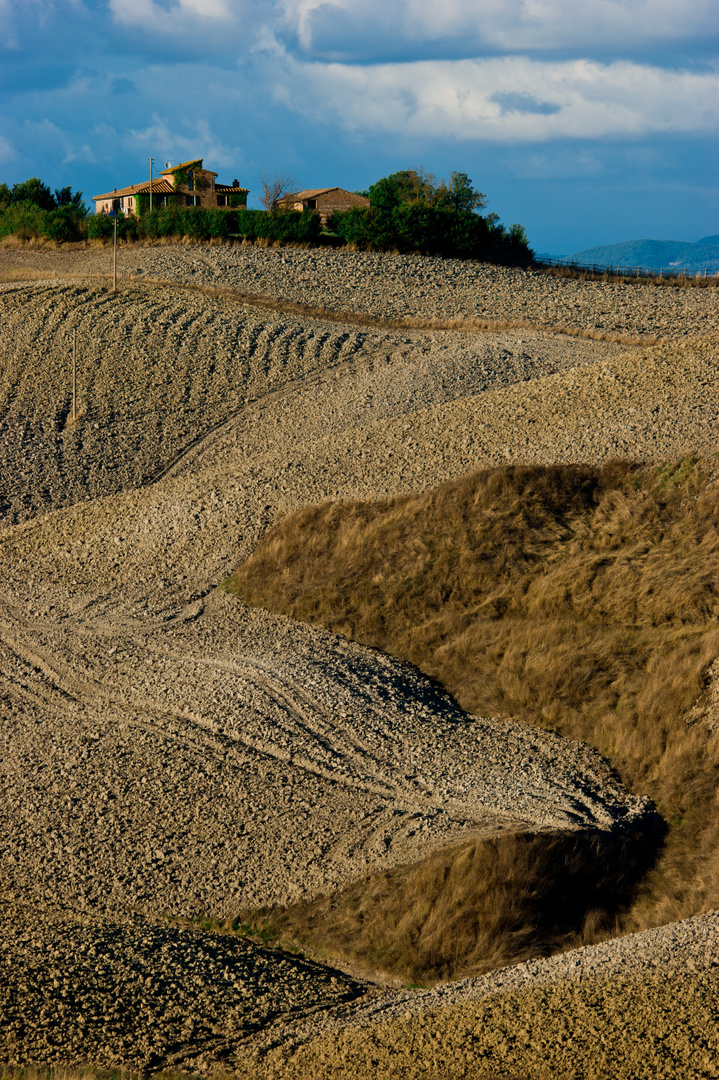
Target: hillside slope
point(655, 254)
point(166, 748)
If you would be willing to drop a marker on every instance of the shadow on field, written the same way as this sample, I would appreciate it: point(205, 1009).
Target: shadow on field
point(472, 907)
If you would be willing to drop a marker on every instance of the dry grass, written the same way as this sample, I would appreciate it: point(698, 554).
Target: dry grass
point(580, 599)
point(26, 275)
point(467, 909)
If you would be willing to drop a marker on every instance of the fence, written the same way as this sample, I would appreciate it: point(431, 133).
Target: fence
point(622, 270)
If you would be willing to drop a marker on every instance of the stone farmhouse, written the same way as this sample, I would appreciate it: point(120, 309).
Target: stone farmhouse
point(186, 184)
point(325, 200)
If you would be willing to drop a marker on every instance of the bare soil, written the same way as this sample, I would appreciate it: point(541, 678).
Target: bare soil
point(169, 751)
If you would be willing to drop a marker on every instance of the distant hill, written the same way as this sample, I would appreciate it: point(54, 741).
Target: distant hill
point(655, 254)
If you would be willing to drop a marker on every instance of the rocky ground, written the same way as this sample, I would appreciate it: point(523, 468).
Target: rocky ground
point(395, 286)
point(167, 750)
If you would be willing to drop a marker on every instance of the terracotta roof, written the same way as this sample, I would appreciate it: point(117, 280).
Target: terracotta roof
point(308, 193)
point(312, 193)
point(186, 165)
point(222, 188)
point(159, 187)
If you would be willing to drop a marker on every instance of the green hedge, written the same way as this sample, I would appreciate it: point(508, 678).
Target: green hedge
point(411, 226)
point(432, 230)
point(290, 227)
point(27, 220)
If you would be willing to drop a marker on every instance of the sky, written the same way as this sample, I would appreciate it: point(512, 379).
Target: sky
point(588, 123)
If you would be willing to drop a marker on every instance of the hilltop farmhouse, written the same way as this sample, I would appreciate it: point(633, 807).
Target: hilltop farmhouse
point(186, 184)
point(325, 200)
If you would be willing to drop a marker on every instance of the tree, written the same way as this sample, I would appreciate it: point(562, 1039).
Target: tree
point(416, 185)
point(406, 186)
point(273, 186)
point(39, 194)
point(34, 191)
point(459, 194)
point(66, 197)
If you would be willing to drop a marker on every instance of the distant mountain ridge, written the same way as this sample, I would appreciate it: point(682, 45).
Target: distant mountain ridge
point(655, 254)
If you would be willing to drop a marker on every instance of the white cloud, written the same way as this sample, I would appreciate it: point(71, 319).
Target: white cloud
point(343, 28)
point(84, 154)
point(7, 153)
point(483, 99)
point(171, 144)
point(194, 21)
point(152, 15)
point(8, 27)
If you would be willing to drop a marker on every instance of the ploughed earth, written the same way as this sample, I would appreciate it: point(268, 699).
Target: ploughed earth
point(173, 759)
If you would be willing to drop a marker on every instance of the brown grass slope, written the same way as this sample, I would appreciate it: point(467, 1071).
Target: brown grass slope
point(582, 599)
point(468, 909)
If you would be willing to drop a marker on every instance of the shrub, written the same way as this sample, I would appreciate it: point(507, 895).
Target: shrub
point(433, 230)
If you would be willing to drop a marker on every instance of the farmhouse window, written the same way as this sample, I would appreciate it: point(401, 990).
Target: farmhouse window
point(222, 200)
point(193, 200)
point(190, 180)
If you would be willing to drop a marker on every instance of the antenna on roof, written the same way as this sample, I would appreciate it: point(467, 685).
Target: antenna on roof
point(168, 164)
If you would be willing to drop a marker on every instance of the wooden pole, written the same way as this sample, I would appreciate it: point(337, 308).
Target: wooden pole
point(114, 256)
point(151, 161)
point(74, 373)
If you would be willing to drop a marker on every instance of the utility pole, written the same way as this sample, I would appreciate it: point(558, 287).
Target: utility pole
point(114, 254)
point(74, 369)
point(151, 160)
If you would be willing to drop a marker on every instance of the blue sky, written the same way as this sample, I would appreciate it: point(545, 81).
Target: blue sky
point(588, 122)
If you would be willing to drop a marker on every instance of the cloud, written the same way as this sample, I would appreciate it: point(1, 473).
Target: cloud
point(8, 26)
point(502, 99)
point(170, 142)
point(201, 26)
point(84, 154)
point(375, 29)
point(7, 153)
point(153, 15)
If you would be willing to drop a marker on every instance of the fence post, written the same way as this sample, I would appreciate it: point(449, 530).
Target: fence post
point(74, 381)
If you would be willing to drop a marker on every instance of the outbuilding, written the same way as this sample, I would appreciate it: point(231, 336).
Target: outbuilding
point(325, 200)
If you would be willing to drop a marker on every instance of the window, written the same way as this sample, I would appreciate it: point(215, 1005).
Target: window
point(190, 180)
point(193, 200)
point(222, 200)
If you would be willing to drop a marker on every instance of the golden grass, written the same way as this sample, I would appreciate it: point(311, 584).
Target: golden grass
point(26, 275)
point(467, 909)
point(580, 599)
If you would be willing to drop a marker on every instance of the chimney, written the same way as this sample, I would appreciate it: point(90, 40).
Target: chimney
point(235, 183)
